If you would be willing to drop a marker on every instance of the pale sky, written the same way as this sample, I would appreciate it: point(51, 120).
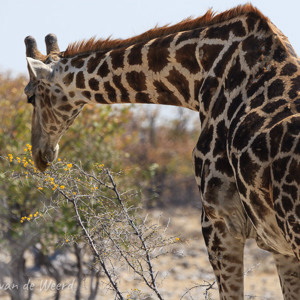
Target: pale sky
point(73, 20)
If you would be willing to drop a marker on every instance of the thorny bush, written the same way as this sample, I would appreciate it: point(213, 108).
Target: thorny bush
point(105, 218)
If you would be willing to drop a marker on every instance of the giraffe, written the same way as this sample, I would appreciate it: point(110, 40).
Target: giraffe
point(243, 77)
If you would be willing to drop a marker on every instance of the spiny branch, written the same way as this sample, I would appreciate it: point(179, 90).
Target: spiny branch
point(140, 236)
point(94, 249)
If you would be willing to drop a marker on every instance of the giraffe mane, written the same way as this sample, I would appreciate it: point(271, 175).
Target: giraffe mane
point(210, 18)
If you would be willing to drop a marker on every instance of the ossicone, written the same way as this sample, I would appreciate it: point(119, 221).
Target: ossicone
point(32, 50)
point(51, 43)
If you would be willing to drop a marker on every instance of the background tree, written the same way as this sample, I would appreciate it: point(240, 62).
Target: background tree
point(154, 158)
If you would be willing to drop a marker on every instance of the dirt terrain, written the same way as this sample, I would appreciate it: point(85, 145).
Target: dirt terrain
point(187, 266)
point(184, 273)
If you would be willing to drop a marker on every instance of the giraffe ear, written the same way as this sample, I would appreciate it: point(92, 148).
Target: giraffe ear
point(37, 69)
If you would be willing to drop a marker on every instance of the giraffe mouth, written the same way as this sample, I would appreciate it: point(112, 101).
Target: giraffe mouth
point(41, 163)
point(42, 160)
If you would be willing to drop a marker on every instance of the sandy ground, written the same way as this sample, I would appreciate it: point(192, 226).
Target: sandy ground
point(184, 272)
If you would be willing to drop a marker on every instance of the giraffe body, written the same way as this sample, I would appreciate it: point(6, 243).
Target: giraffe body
point(242, 75)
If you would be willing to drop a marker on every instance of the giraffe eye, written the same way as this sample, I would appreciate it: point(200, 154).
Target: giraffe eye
point(31, 100)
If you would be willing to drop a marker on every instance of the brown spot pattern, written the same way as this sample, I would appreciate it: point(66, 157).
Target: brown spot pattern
point(77, 62)
point(66, 107)
point(117, 58)
point(136, 80)
point(141, 97)
point(99, 98)
point(68, 79)
point(117, 82)
point(93, 62)
point(103, 70)
point(235, 76)
point(94, 84)
point(86, 94)
point(135, 55)
point(180, 82)
point(111, 92)
point(288, 70)
point(165, 96)
point(158, 54)
point(186, 56)
point(275, 89)
point(80, 80)
point(222, 32)
point(80, 102)
point(210, 53)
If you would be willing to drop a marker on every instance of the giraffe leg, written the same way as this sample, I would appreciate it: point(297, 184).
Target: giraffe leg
point(288, 268)
point(226, 257)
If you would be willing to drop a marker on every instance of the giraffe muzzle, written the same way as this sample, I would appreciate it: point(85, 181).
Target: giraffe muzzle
point(43, 159)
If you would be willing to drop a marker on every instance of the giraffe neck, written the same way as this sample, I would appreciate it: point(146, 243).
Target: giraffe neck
point(160, 71)
point(202, 68)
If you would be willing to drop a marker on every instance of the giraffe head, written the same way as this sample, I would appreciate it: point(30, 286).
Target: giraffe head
point(52, 113)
